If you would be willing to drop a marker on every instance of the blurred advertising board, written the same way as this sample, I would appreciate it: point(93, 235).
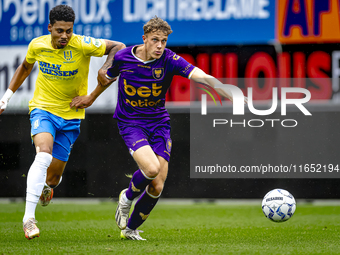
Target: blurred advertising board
point(313, 66)
point(198, 22)
point(308, 21)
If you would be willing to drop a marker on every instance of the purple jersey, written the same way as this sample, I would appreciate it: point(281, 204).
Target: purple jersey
point(143, 84)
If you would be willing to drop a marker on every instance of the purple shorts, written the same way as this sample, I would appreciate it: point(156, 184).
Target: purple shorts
point(155, 134)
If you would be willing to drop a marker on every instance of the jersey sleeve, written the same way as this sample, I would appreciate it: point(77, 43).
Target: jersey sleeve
point(114, 70)
point(30, 55)
point(93, 47)
point(181, 66)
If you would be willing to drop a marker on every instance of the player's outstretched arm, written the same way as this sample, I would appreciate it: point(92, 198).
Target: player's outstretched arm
point(104, 81)
point(81, 102)
point(201, 77)
point(18, 78)
point(112, 47)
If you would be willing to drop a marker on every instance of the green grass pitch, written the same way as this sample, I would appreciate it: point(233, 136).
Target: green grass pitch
point(201, 228)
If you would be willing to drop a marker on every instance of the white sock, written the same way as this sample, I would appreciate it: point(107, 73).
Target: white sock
point(36, 178)
point(59, 182)
point(126, 200)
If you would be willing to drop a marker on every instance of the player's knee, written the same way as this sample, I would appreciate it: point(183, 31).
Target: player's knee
point(156, 189)
point(44, 148)
point(153, 170)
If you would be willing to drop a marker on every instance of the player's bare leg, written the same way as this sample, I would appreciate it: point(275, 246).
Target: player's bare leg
point(149, 168)
point(35, 181)
point(53, 179)
point(146, 202)
point(156, 186)
point(148, 161)
point(54, 172)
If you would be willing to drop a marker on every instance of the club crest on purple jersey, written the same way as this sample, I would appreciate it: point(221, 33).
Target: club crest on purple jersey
point(168, 145)
point(158, 73)
point(176, 57)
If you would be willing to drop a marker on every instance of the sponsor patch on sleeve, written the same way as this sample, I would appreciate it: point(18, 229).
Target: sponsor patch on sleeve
point(96, 42)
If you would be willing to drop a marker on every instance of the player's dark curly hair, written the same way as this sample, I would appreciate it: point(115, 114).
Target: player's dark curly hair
point(156, 24)
point(62, 13)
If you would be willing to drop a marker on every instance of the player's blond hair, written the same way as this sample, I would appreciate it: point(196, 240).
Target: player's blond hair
point(157, 24)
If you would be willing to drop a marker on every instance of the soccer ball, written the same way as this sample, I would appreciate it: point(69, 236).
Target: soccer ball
point(278, 205)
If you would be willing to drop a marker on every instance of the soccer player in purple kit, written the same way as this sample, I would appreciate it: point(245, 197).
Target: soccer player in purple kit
point(146, 72)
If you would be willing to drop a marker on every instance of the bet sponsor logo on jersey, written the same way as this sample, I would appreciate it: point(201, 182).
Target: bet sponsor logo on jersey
point(143, 92)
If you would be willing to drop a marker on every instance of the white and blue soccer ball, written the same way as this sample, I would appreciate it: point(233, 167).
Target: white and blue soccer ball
point(278, 205)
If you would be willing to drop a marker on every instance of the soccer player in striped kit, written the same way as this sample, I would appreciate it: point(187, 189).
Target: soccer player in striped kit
point(146, 72)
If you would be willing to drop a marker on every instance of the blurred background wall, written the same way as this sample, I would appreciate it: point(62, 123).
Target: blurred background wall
point(227, 38)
